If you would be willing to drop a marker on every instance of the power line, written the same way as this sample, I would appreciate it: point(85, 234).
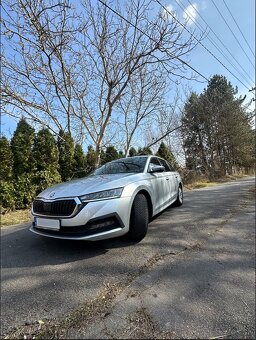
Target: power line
point(144, 33)
point(209, 27)
point(232, 32)
point(238, 28)
point(174, 17)
point(180, 4)
point(166, 50)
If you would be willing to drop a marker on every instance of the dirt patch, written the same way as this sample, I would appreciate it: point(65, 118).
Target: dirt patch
point(80, 317)
point(88, 313)
point(141, 326)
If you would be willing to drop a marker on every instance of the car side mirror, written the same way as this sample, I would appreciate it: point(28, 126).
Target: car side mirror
point(157, 168)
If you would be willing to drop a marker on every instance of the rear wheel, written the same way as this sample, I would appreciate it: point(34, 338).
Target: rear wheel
point(179, 200)
point(139, 218)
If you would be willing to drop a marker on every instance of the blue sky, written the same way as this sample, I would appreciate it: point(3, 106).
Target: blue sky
point(244, 13)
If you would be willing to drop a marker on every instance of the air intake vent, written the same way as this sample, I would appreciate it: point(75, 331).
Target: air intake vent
point(57, 208)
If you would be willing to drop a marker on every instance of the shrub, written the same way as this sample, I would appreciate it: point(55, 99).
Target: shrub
point(7, 200)
point(45, 178)
point(24, 191)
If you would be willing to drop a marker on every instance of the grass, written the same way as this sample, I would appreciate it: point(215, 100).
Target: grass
point(203, 182)
point(15, 217)
point(200, 184)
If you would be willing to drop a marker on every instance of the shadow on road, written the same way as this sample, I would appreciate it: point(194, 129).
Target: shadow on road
point(51, 276)
point(21, 248)
point(50, 251)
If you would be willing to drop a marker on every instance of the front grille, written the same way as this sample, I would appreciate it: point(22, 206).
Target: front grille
point(56, 208)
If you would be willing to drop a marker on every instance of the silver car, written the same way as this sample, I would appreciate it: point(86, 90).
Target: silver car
point(116, 199)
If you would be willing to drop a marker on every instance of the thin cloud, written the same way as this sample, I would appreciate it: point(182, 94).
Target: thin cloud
point(166, 12)
point(190, 14)
point(203, 5)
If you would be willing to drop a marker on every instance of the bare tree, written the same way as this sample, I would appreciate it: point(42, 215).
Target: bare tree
point(70, 71)
point(141, 103)
point(37, 71)
point(165, 125)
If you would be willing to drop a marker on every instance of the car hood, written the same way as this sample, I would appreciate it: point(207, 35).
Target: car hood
point(88, 185)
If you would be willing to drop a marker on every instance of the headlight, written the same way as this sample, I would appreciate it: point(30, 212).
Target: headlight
point(102, 195)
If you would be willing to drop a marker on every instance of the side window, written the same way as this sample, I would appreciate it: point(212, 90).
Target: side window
point(171, 167)
point(165, 164)
point(153, 161)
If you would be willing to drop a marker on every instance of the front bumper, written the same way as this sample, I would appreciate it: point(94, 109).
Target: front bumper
point(95, 221)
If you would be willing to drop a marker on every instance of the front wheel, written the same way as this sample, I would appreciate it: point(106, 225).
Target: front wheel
point(139, 218)
point(179, 200)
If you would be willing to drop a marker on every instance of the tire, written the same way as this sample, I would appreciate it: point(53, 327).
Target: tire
point(139, 218)
point(179, 200)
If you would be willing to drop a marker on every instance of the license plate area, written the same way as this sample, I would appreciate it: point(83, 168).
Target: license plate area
point(46, 223)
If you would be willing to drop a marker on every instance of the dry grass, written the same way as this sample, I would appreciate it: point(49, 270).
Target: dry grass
point(236, 176)
point(203, 182)
point(15, 217)
point(199, 184)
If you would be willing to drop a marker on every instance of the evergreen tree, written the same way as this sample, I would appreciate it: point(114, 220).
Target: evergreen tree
point(120, 154)
point(166, 153)
point(45, 151)
point(144, 151)
point(45, 160)
point(132, 152)
point(25, 190)
point(6, 159)
point(6, 186)
point(7, 196)
point(66, 155)
point(110, 154)
point(194, 139)
point(91, 158)
point(79, 162)
point(216, 130)
point(228, 126)
point(21, 144)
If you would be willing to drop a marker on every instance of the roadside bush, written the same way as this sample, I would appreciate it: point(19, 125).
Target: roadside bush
point(6, 160)
point(191, 176)
point(45, 178)
point(24, 191)
point(7, 201)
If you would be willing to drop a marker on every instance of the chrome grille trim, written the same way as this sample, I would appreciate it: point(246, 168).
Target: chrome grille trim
point(77, 206)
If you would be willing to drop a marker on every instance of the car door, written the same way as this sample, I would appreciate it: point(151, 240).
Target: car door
point(171, 180)
point(158, 185)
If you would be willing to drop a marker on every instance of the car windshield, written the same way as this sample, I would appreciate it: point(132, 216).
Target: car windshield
point(123, 165)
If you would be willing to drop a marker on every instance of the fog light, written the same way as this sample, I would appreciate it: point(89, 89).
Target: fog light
point(102, 224)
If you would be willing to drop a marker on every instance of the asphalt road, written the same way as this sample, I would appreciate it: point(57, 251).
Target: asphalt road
point(198, 276)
